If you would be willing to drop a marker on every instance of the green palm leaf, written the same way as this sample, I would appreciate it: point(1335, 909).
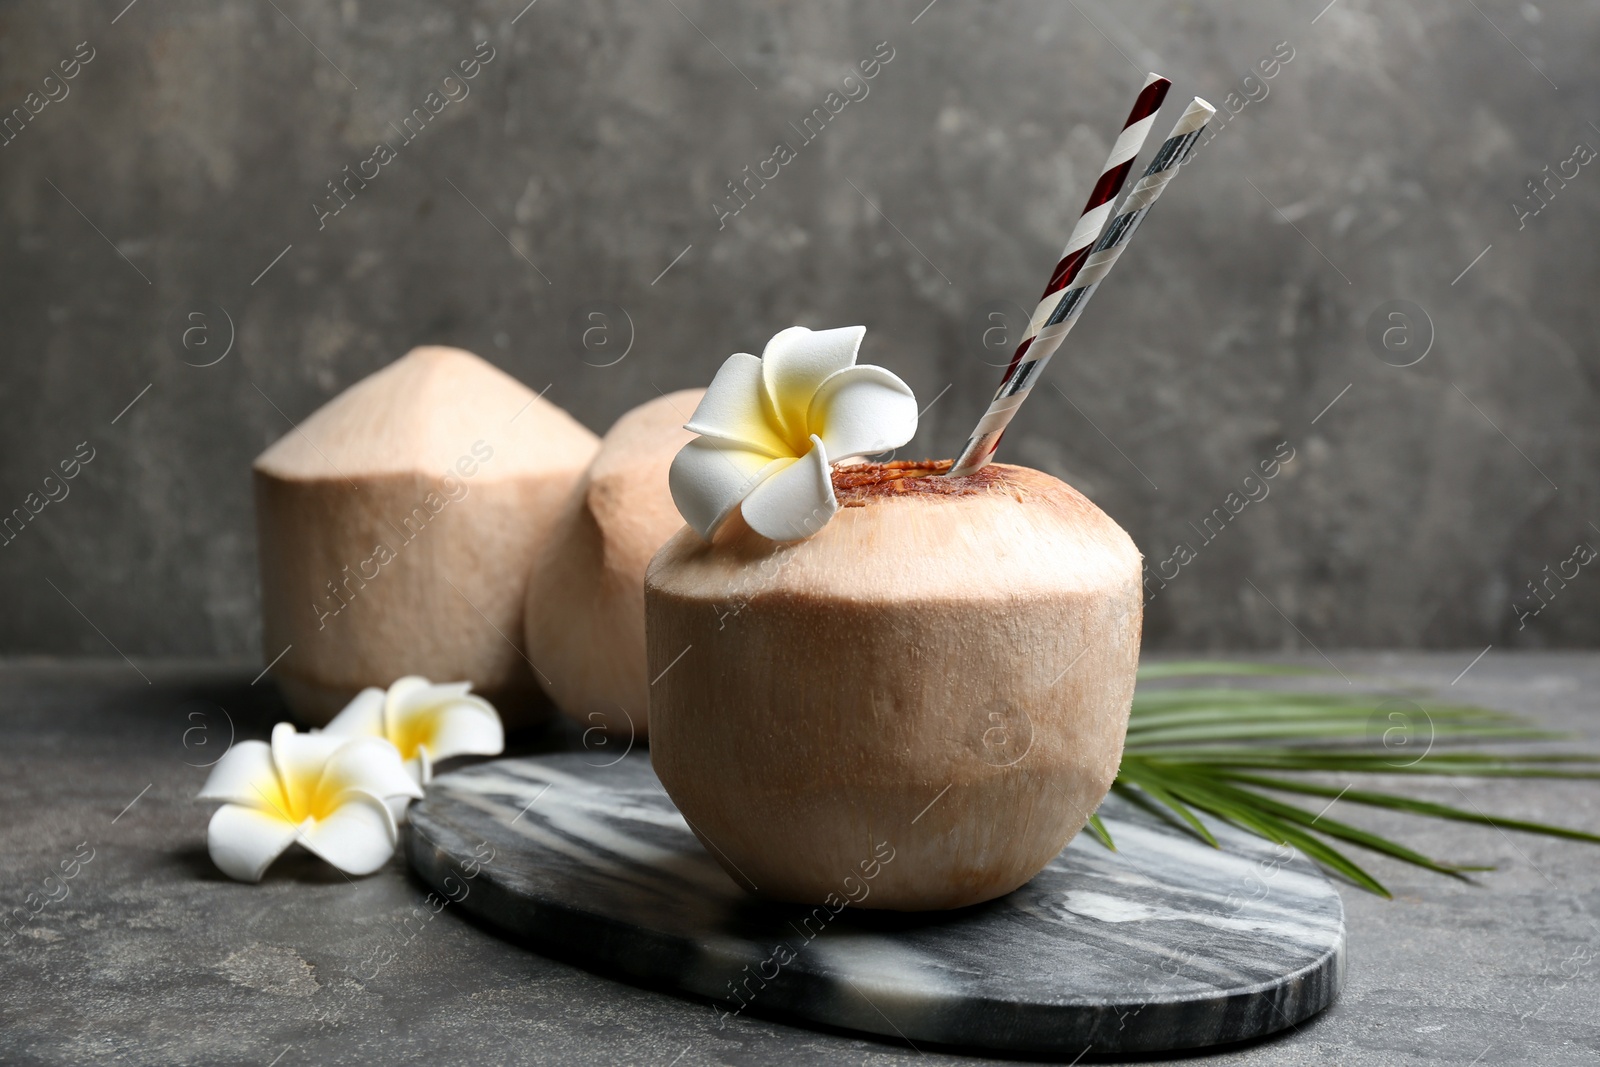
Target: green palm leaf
point(1224, 752)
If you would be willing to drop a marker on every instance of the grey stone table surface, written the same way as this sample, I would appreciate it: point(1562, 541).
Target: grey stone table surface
point(154, 957)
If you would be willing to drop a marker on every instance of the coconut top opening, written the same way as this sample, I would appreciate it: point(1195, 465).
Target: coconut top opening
point(905, 533)
point(859, 483)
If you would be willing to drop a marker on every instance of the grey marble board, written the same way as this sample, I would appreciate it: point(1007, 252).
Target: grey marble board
point(1163, 944)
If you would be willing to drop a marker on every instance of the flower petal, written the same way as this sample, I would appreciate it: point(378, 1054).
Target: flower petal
point(401, 690)
point(732, 409)
point(362, 717)
point(861, 410)
point(412, 697)
point(794, 363)
point(397, 809)
point(370, 764)
point(300, 759)
point(246, 775)
point(466, 726)
point(244, 841)
point(420, 770)
point(434, 693)
point(708, 478)
point(796, 501)
point(358, 837)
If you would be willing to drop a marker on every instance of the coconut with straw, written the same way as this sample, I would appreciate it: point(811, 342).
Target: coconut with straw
point(899, 685)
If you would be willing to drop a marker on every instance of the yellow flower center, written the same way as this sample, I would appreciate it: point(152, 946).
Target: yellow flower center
point(321, 805)
point(311, 798)
point(411, 735)
point(297, 798)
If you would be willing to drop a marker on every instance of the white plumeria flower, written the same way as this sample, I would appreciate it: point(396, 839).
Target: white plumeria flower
point(327, 792)
point(771, 427)
point(426, 722)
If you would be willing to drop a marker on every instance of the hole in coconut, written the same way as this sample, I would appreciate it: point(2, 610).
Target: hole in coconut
point(859, 483)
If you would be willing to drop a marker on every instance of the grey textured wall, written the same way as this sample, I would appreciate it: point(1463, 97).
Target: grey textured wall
point(1376, 165)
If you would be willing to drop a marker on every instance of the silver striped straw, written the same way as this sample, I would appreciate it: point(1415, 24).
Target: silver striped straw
point(1019, 381)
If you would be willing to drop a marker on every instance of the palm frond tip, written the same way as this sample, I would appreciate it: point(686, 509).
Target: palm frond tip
point(1221, 752)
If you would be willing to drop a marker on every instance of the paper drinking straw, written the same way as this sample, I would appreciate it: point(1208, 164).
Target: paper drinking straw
point(1098, 207)
point(1019, 381)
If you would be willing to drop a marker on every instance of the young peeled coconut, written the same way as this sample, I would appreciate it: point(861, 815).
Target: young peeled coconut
point(584, 613)
point(941, 674)
point(397, 524)
point(871, 683)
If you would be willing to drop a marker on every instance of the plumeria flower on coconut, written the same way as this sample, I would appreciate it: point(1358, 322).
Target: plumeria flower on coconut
point(772, 427)
point(331, 794)
point(426, 722)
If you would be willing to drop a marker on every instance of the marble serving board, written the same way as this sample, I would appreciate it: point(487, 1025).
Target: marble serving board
point(1163, 944)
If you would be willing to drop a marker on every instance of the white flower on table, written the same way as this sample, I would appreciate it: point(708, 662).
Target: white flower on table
point(426, 722)
point(329, 793)
point(770, 428)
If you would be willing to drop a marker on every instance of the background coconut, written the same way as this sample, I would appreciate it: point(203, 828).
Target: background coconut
point(585, 605)
point(943, 671)
point(397, 524)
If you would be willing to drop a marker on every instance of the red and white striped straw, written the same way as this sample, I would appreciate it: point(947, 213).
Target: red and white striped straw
point(1063, 313)
point(1098, 207)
